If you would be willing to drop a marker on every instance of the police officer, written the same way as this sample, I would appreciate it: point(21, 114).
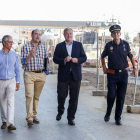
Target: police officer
point(117, 51)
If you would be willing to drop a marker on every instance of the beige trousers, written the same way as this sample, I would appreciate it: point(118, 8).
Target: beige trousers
point(34, 83)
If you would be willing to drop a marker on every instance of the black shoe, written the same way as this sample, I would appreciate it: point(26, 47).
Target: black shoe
point(4, 125)
point(58, 117)
point(118, 122)
point(11, 127)
point(107, 118)
point(71, 122)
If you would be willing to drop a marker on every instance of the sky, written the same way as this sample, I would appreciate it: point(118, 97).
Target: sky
point(126, 11)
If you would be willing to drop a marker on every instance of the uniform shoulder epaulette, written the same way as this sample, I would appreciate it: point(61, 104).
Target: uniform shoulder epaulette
point(125, 41)
point(108, 42)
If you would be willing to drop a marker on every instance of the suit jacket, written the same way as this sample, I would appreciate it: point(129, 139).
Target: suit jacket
point(64, 68)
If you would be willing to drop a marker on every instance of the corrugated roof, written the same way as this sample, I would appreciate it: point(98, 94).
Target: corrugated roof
point(45, 23)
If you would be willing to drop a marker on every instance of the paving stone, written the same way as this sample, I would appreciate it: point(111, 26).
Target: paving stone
point(85, 83)
point(53, 72)
point(133, 108)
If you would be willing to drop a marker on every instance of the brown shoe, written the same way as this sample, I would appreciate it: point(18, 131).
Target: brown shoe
point(30, 123)
point(11, 127)
point(35, 120)
point(4, 125)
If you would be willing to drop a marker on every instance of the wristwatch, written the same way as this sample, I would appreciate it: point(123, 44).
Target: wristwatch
point(134, 67)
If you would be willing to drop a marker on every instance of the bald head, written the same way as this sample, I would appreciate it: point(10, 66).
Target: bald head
point(35, 30)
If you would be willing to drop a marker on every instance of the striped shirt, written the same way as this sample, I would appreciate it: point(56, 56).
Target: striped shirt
point(36, 63)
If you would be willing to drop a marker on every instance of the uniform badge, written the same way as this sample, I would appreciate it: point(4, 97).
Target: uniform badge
point(124, 47)
point(114, 26)
point(111, 48)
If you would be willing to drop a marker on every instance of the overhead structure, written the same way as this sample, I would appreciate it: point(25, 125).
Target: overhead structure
point(47, 36)
point(55, 24)
point(48, 39)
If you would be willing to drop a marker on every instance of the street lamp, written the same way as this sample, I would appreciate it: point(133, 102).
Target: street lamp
point(112, 21)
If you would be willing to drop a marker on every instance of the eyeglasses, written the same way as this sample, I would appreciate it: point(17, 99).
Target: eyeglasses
point(115, 32)
point(10, 42)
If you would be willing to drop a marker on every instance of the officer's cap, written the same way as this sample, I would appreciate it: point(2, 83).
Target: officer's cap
point(115, 27)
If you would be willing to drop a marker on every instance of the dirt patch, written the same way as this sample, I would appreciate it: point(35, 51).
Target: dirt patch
point(92, 78)
point(89, 74)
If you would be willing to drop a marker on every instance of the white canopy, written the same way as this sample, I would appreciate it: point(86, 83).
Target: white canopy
point(47, 36)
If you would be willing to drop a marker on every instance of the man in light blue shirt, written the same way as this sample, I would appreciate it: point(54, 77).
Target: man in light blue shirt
point(9, 82)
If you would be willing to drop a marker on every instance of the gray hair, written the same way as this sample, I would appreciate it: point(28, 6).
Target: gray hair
point(66, 29)
point(4, 39)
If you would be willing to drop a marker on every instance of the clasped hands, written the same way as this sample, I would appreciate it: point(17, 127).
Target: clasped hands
point(69, 58)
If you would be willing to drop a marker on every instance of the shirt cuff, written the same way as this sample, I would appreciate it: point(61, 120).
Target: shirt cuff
point(23, 60)
point(17, 82)
point(47, 72)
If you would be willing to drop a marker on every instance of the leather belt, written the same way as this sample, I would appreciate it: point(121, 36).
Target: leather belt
point(6, 79)
point(120, 70)
point(40, 71)
point(111, 71)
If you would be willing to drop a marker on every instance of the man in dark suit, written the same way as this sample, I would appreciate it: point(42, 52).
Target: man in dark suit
point(69, 55)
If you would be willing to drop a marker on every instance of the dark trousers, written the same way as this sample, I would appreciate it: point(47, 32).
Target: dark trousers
point(117, 85)
point(73, 88)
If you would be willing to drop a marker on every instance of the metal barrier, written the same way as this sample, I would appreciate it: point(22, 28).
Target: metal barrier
point(104, 92)
point(97, 91)
point(136, 78)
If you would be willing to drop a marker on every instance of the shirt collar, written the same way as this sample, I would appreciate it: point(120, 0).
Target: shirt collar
point(68, 44)
point(121, 42)
point(4, 51)
point(33, 44)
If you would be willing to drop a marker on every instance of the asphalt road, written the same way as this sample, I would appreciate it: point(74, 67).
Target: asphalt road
point(89, 118)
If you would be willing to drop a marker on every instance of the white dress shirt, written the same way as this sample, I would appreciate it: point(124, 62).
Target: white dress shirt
point(69, 48)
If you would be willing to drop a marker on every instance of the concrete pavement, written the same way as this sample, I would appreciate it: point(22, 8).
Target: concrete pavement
point(89, 120)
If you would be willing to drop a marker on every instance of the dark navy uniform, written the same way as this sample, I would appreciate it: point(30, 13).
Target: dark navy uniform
point(117, 83)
